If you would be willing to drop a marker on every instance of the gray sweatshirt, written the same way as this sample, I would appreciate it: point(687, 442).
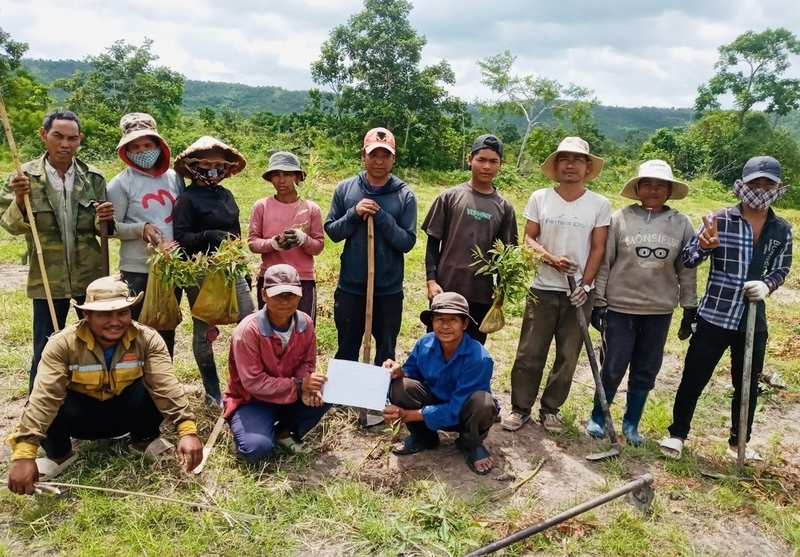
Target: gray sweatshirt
point(642, 271)
point(139, 199)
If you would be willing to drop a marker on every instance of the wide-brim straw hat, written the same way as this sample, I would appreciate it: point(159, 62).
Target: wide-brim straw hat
point(208, 143)
point(285, 161)
point(659, 170)
point(572, 145)
point(108, 294)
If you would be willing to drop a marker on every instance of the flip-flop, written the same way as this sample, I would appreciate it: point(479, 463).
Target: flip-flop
point(672, 447)
point(411, 445)
point(49, 469)
point(749, 454)
point(474, 454)
point(158, 450)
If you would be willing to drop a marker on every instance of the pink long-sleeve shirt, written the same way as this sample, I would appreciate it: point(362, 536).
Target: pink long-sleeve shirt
point(270, 217)
point(260, 368)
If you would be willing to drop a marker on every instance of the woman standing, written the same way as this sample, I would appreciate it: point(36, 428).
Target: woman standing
point(641, 282)
point(204, 215)
point(287, 229)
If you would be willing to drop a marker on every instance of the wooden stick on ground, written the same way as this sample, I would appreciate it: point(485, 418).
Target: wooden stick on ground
point(29, 211)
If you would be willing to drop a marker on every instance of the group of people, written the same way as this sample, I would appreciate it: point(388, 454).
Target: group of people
point(107, 375)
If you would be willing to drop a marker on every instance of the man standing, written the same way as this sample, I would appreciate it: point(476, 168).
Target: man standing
point(470, 215)
point(143, 196)
point(751, 254)
point(102, 377)
point(64, 196)
point(568, 226)
point(274, 393)
point(375, 193)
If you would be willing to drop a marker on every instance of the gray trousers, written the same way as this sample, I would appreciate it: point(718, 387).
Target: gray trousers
point(476, 417)
point(551, 316)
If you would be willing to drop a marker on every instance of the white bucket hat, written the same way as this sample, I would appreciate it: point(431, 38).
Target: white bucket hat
point(572, 145)
point(108, 294)
point(660, 170)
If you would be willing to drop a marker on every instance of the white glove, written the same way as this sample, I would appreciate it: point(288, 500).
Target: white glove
point(578, 297)
point(756, 290)
point(295, 237)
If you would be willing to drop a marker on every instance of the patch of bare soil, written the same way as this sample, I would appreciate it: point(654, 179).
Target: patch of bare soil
point(12, 276)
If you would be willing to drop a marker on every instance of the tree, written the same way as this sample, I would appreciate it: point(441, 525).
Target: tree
point(532, 95)
point(750, 68)
point(123, 79)
point(372, 67)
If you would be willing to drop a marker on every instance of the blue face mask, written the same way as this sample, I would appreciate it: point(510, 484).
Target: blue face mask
point(145, 159)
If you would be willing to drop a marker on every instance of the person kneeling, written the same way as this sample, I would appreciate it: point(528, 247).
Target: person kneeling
point(103, 377)
point(274, 394)
point(444, 384)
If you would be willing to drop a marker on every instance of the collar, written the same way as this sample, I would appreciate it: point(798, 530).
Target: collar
point(737, 210)
point(85, 334)
point(52, 170)
point(265, 327)
point(460, 349)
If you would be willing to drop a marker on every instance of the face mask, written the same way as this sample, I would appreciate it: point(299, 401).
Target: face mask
point(145, 159)
point(758, 198)
point(208, 176)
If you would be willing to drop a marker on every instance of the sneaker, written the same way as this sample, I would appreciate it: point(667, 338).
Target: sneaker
point(551, 422)
point(514, 421)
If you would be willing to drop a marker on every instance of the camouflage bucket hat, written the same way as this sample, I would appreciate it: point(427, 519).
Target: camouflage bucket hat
point(285, 161)
point(136, 125)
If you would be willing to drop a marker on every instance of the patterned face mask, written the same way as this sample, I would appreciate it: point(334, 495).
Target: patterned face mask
point(208, 176)
point(758, 198)
point(145, 159)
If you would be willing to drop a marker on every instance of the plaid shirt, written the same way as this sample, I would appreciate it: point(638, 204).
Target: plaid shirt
point(724, 302)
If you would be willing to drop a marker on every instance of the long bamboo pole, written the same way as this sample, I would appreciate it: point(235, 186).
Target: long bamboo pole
point(367, 354)
point(29, 211)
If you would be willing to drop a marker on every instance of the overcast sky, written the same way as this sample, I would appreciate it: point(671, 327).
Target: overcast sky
point(630, 52)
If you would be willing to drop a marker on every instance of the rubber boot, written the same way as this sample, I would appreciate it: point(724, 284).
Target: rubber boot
point(633, 414)
point(597, 421)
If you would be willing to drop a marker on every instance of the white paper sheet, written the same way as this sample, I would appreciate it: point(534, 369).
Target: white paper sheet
point(356, 384)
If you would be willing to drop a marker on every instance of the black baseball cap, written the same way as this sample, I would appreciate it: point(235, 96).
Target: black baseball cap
point(488, 141)
point(758, 167)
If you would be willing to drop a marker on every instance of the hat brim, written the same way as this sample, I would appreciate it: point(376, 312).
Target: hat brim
point(549, 165)
point(284, 288)
point(208, 143)
point(759, 174)
point(134, 135)
point(284, 168)
point(373, 146)
point(109, 305)
point(679, 189)
point(426, 315)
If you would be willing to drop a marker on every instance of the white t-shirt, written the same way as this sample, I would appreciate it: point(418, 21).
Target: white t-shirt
point(565, 228)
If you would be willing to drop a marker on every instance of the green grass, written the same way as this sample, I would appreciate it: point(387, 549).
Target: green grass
point(320, 505)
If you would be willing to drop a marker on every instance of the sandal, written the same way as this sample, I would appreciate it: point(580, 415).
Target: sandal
point(672, 447)
point(49, 469)
point(158, 450)
point(294, 446)
point(411, 445)
point(473, 455)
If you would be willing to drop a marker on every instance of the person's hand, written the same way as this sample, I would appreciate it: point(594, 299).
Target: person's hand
point(599, 318)
point(312, 399)
point(563, 264)
point(279, 243)
point(433, 289)
point(152, 234)
point(395, 369)
point(22, 475)
point(294, 237)
point(215, 236)
point(22, 187)
point(313, 382)
point(393, 414)
point(104, 210)
point(578, 296)
point(366, 208)
point(687, 323)
point(709, 237)
point(190, 452)
point(756, 290)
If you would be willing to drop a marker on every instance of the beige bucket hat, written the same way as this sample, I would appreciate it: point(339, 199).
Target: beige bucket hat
point(207, 143)
point(659, 169)
point(572, 145)
point(108, 294)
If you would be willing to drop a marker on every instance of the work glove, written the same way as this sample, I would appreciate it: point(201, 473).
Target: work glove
point(599, 318)
point(295, 237)
point(215, 237)
point(578, 296)
point(756, 290)
point(279, 244)
point(687, 323)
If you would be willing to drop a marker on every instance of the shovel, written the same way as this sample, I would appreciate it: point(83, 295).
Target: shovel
point(209, 446)
point(364, 419)
point(598, 383)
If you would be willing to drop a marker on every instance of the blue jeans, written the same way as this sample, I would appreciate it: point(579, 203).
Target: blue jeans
point(84, 417)
point(43, 327)
point(138, 283)
point(201, 345)
point(254, 425)
point(636, 341)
